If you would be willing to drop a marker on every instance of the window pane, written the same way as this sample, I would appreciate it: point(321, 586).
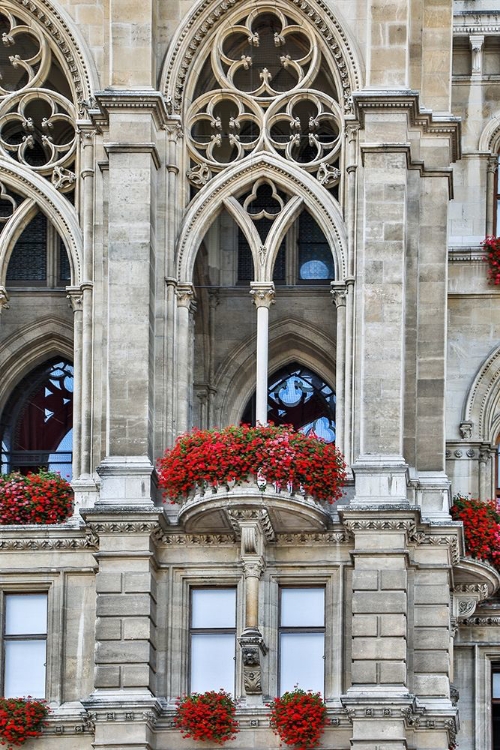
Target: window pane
point(212, 662)
point(28, 261)
point(25, 614)
point(496, 685)
point(302, 608)
point(24, 670)
point(308, 671)
point(213, 608)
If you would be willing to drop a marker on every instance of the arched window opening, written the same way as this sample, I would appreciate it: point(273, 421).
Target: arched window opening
point(297, 396)
point(39, 257)
point(315, 257)
point(37, 423)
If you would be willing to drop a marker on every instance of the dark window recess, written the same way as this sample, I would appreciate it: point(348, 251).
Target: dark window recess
point(495, 707)
point(297, 396)
point(315, 256)
point(64, 268)
point(245, 260)
point(28, 261)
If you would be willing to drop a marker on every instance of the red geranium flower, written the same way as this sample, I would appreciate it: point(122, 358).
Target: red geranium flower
point(276, 455)
point(21, 719)
point(299, 718)
point(492, 246)
point(36, 498)
point(207, 717)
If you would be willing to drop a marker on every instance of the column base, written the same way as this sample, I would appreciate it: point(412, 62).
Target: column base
point(126, 480)
point(380, 480)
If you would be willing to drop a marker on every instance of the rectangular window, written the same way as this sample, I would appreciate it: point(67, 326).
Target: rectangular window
point(302, 639)
point(24, 645)
point(212, 639)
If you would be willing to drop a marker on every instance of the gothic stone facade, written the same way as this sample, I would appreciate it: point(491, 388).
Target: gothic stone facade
point(140, 134)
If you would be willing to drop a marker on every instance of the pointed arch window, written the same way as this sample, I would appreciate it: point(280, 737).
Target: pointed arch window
point(39, 257)
point(297, 396)
point(37, 423)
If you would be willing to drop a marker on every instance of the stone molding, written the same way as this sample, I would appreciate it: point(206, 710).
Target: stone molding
point(482, 621)
point(31, 543)
point(134, 148)
point(128, 101)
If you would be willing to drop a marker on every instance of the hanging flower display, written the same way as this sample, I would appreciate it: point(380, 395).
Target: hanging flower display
point(36, 498)
point(207, 717)
point(492, 247)
point(299, 718)
point(276, 455)
point(20, 720)
point(481, 520)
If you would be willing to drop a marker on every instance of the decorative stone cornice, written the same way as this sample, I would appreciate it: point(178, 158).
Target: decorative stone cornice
point(482, 621)
point(170, 539)
point(326, 538)
point(129, 101)
point(418, 118)
point(467, 22)
point(134, 148)
point(30, 538)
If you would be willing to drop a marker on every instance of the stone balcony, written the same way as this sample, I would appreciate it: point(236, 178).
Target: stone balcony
point(280, 512)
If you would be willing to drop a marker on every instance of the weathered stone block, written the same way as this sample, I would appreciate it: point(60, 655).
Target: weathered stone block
point(365, 580)
point(136, 675)
point(137, 627)
point(379, 648)
point(432, 615)
point(109, 583)
point(137, 583)
point(364, 625)
point(107, 676)
point(393, 673)
point(431, 685)
point(379, 602)
point(121, 652)
point(364, 673)
point(108, 629)
point(122, 605)
point(393, 625)
point(431, 638)
point(431, 661)
point(393, 579)
point(432, 594)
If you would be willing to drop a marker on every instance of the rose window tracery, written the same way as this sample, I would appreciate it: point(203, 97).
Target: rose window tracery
point(265, 86)
point(37, 114)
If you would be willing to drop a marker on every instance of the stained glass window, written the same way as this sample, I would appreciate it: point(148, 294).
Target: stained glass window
point(299, 397)
point(37, 431)
point(28, 261)
point(315, 256)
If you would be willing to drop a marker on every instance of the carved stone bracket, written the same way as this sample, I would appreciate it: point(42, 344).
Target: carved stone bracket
point(252, 646)
point(465, 429)
point(466, 596)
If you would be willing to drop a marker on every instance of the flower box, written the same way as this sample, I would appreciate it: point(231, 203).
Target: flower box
point(492, 248)
point(266, 456)
point(299, 718)
point(20, 720)
point(44, 498)
point(207, 717)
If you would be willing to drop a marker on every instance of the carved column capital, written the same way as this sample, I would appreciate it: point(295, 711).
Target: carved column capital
point(253, 568)
point(4, 299)
point(185, 296)
point(263, 293)
point(339, 293)
point(476, 44)
point(75, 296)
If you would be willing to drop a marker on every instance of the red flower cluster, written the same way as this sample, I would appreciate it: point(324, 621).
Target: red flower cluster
point(299, 718)
point(279, 455)
point(481, 527)
point(207, 717)
point(21, 719)
point(36, 498)
point(492, 246)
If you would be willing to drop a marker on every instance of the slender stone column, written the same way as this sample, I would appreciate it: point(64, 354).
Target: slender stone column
point(339, 293)
point(263, 297)
point(75, 297)
point(87, 175)
point(185, 297)
point(490, 190)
